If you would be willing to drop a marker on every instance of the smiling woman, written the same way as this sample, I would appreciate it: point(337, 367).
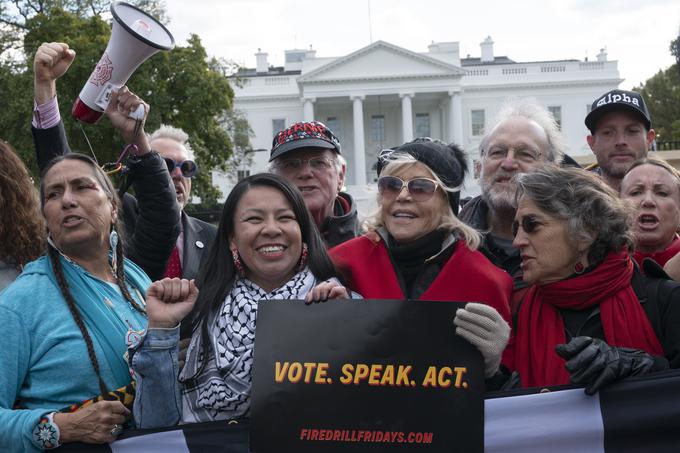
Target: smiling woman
point(267, 247)
point(416, 248)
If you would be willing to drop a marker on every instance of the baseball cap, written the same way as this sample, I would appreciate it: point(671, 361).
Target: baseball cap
point(304, 134)
point(618, 100)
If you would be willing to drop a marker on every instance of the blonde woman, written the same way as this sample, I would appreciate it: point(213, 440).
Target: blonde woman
point(416, 248)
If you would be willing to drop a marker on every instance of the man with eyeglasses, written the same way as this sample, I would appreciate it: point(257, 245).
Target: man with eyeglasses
point(524, 138)
point(621, 133)
point(308, 155)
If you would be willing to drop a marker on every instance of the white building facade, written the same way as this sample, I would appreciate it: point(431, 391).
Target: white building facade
point(383, 95)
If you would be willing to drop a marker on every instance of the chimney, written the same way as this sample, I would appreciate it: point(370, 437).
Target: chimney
point(602, 56)
point(311, 53)
point(262, 65)
point(448, 52)
point(487, 50)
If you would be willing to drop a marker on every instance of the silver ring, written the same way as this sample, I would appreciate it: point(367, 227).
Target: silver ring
point(116, 430)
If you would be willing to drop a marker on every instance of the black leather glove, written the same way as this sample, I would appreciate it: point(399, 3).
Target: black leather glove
point(593, 363)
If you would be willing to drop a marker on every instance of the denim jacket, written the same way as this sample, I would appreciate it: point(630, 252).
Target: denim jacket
point(155, 367)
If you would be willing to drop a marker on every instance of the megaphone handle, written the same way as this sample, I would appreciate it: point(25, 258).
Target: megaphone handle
point(138, 116)
point(139, 113)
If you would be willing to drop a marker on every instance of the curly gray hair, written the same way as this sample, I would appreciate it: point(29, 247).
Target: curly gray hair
point(592, 210)
point(531, 110)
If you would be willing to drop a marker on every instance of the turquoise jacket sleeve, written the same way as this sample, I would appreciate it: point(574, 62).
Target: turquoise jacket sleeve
point(16, 434)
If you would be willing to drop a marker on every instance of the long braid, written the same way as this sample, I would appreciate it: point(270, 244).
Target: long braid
point(120, 278)
point(71, 303)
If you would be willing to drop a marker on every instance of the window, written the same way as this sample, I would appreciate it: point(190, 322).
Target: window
point(242, 174)
point(556, 111)
point(477, 121)
point(333, 123)
point(378, 128)
point(278, 124)
point(422, 125)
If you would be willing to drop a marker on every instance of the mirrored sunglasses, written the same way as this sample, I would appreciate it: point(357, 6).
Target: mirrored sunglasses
point(421, 189)
point(187, 167)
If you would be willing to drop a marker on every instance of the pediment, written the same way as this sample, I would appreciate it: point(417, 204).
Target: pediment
point(381, 60)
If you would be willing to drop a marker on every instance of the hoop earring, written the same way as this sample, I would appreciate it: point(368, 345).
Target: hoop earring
point(237, 263)
point(113, 243)
point(303, 257)
point(579, 268)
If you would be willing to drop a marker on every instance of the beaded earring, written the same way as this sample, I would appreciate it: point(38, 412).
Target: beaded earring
point(303, 258)
point(113, 243)
point(237, 263)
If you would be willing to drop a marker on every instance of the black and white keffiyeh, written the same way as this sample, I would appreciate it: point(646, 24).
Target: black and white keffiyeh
point(222, 389)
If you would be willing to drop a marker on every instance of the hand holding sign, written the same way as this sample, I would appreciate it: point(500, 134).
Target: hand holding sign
point(486, 329)
point(330, 289)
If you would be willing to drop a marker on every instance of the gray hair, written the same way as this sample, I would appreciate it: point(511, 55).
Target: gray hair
point(592, 210)
point(173, 133)
point(449, 221)
point(530, 109)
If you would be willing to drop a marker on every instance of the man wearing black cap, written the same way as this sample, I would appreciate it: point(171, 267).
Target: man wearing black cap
point(621, 133)
point(308, 155)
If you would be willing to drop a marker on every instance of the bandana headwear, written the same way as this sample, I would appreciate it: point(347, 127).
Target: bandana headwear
point(307, 134)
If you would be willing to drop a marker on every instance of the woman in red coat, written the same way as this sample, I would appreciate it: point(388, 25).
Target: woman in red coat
point(416, 248)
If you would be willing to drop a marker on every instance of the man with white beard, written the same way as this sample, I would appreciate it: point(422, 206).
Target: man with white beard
point(524, 137)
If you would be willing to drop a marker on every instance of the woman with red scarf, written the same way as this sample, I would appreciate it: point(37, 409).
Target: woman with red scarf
point(589, 318)
point(654, 188)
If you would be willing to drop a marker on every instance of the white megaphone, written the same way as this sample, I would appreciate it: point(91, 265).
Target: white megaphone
point(135, 36)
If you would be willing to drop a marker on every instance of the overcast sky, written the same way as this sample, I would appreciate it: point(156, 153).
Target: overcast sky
point(636, 33)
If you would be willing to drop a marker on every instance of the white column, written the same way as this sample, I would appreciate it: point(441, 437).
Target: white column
point(359, 150)
point(308, 106)
point(455, 118)
point(406, 116)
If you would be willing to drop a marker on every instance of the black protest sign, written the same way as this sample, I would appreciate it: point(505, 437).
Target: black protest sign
point(364, 375)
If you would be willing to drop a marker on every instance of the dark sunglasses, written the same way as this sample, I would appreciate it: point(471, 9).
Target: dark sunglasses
point(187, 167)
point(529, 225)
point(421, 189)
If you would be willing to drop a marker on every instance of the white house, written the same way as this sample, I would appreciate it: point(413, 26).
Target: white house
point(383, 95)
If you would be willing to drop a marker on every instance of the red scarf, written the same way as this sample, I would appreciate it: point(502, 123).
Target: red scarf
point(660, 257)
point(540, 326)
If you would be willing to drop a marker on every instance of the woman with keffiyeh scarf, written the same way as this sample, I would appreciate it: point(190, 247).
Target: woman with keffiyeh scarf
point(267, 247)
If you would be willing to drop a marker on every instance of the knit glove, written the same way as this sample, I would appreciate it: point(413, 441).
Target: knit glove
point(484, 327)
point(593, 363)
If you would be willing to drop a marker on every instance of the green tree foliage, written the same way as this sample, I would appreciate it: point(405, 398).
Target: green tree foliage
point(184, 87)
point(675, 49)
point(662, 95)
